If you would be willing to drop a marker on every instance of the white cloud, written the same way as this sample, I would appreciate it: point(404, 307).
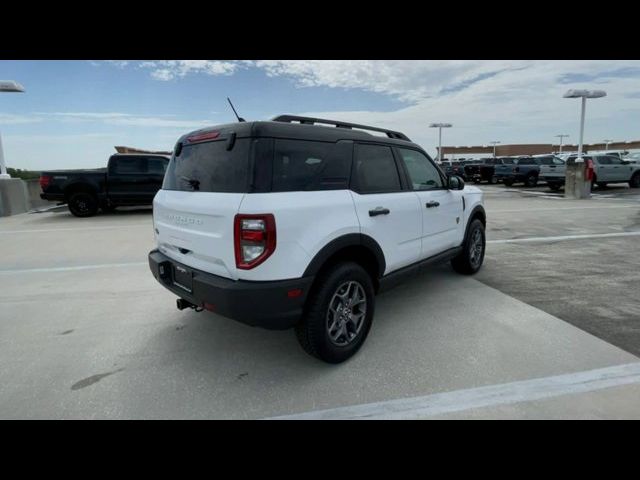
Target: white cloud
point(127, 119)
point(514, 101)
point(10, 119)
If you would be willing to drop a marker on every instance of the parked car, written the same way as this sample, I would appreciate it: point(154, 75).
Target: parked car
point(129, 179)
point(484, 170)
point(633, 158)
point(606, 169)
point(526, 169)
point(288, 223)
point(453, 167)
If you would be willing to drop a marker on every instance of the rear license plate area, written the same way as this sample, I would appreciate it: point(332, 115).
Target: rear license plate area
point(183, 278)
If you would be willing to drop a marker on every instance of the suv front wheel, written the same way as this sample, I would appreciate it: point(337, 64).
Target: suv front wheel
point(470, 259)
point(338, 314)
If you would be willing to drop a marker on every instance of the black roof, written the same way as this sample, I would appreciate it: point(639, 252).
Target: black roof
point(281, 127)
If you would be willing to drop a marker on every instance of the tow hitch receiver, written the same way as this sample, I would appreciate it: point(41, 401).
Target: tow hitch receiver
point(181, 303)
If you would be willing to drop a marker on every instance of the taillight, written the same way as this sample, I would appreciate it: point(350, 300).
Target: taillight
point(45, 181)
point(203, 137)
point(254, 239)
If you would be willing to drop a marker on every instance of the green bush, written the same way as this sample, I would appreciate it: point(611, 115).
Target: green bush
point(23, 174)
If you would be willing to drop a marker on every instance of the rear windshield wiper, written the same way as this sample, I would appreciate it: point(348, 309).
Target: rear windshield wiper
point(195, 184)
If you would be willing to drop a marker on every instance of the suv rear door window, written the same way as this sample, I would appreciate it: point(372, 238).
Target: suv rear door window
point(375, 169)
point(300, 165)
point(210, 167)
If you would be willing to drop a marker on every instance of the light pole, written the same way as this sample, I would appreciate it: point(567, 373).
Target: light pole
point(561, 136)
point(494, 143)
point(7, 86)
point(576, 183)
point(606, 144)
point(440, 126)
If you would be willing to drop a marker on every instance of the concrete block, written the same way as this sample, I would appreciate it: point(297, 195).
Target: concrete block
point(13, 197)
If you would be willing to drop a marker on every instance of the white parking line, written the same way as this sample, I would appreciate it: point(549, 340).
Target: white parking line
point(597, 207)
point(109, 227)
point(492, 395)
point(565, 237)
point(72, 269)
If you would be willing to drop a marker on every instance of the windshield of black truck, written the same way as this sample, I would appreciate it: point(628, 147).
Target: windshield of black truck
point(210, 167)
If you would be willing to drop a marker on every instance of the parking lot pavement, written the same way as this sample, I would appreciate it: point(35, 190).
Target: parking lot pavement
point(86, 332)
point(585, 274)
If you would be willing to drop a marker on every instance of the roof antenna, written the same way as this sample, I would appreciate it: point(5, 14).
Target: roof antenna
point(240, 119)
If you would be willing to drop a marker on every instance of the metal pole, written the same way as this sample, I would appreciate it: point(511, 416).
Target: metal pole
point(440, 144)
point(494, 150)
point(3, 167)
point(561, 143)
point(584, 106)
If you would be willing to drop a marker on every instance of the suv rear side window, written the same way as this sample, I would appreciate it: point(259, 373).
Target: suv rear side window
point(210, 167)
point(375, 169)
point(300, 165)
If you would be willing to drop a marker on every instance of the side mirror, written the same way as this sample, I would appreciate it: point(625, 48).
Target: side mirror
point(455, 183)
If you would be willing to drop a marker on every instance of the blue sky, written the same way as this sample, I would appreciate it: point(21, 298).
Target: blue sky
point(75, 112)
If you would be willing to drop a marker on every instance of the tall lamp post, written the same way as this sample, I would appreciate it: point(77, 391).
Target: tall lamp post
point(440, 126)
point(7, 86)
point(494, 147)
point(576, 184)
point(606, 144)
point(561, 136)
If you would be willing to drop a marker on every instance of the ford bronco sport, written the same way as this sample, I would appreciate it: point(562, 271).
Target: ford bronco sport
point(299, 222)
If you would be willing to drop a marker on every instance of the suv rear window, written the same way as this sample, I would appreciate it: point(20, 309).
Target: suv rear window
point(210, 167)
point(301, 165)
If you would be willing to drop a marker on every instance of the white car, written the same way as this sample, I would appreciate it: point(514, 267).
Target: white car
point(607, 169)
point(288, 223)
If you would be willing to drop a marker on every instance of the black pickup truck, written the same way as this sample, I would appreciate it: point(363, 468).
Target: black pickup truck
point(484, 170)
point(129, 179)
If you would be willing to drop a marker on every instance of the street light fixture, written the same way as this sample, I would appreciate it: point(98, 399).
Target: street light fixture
point(7, 86)
point(440, 126)
point(561, 136)
point(583, 94)
point(494, 143)
point(606, 144)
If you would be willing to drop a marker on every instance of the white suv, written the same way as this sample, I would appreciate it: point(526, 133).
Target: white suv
point(300, 222)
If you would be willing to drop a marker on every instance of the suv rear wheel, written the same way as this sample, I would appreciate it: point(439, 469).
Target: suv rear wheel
point(635, 180)
point(83, 204)
point(338, 314)
point(470, 259)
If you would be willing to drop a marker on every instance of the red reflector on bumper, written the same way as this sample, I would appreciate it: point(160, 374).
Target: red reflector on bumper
point(296, 292)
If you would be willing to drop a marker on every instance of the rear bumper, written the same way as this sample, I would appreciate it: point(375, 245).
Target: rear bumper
point(558, 180)
point(260, 304)
point(52, 196)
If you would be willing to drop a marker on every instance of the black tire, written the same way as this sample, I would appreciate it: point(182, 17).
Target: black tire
point(531, 180)
point(468, 263)
point(313, 331)
point(493, 180)
point(602, 184)
point(83, 204)
point(476, 180)
point(635, 180)
point(508, 182)
point(554, 186)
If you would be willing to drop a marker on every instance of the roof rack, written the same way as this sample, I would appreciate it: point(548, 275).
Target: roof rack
point(337, 124)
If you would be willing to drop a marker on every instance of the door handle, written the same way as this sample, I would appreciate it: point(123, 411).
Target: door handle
point(379, 211)
point(432, 204)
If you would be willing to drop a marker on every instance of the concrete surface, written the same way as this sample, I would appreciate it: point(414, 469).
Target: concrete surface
point(592, 283)
point(86, 332)
point(13, 197)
